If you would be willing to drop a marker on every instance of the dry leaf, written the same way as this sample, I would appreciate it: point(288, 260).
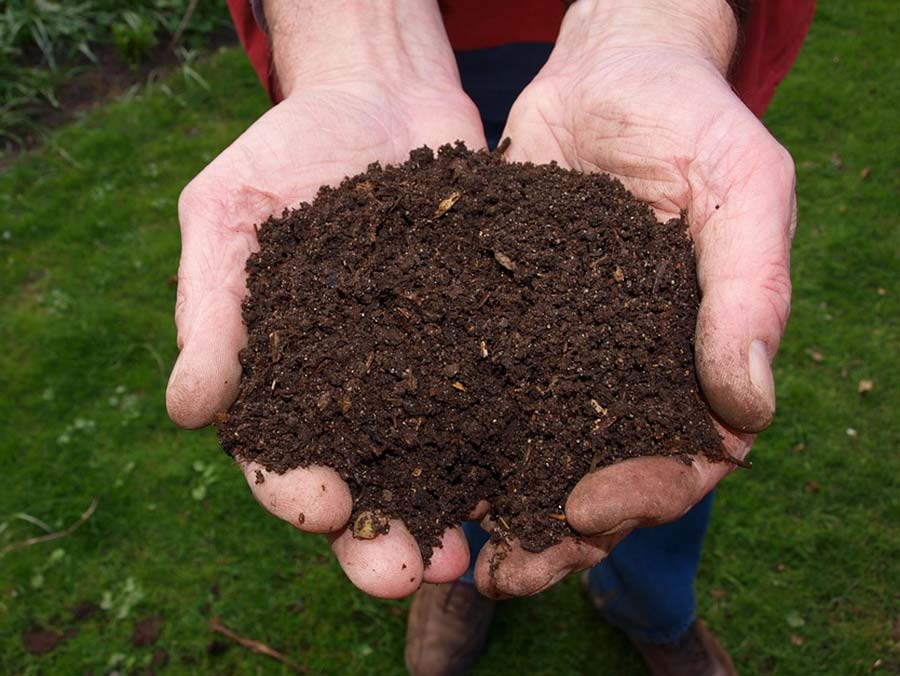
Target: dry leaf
point(812, 487)
point(796, 640)
point(865, 385)
point(447, 203)
point(505, 261)
point(598, 409)
point(815, 355)
point(865, 172)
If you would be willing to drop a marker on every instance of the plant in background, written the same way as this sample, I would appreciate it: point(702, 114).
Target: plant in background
point(43, 44)
point(134, 36)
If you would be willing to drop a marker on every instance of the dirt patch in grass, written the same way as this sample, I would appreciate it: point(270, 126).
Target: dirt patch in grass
point(461, 328)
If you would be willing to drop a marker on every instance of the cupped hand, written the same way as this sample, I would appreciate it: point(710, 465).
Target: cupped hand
point(666, 122)
point(317, 136)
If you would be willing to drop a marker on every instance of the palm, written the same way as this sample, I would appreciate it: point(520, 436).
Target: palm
point(314, 138)
point(680, 140)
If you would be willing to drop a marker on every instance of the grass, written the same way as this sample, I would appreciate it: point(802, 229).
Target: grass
point(44, 45)
point(801, 569)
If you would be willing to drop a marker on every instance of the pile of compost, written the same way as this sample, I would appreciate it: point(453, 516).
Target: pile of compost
point(459, 328)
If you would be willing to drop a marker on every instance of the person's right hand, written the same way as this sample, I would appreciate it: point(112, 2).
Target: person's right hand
point(348, 102)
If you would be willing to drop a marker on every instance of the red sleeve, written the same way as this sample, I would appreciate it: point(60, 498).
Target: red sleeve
point(255, 43)
point(773, 37)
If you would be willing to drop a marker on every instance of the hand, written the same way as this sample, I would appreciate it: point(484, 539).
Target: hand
point(637, 90)
point(344, 108)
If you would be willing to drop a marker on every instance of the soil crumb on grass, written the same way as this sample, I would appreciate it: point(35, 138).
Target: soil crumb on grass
point(460, 328)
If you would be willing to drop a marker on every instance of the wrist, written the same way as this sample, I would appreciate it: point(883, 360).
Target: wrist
point(703, 29)
point(391, 43)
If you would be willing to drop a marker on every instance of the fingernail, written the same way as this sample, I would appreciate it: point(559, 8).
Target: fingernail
point(626, 525)
point(761, 373)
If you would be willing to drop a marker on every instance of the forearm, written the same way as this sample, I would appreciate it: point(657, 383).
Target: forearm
point(703, 28)
point(386, 41)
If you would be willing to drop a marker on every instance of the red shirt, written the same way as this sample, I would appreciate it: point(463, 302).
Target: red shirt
point(773, 35)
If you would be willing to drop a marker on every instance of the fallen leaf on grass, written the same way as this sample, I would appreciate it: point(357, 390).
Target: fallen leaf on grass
point(160, 659)
point(38, 641)
point(812, 487)
point(794, 620)
point(815, 355)
point(865, 172)
point(881, 291)
point(799, 447)
point(718, 593)
point(865, 385)
point(796, 640)
point(84, 610)
point(146, 631)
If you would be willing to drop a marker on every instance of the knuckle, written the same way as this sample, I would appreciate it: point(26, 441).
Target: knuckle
point(783, 165)
point(191, 198)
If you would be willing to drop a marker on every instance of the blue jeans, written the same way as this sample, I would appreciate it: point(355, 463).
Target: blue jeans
point(646, 584)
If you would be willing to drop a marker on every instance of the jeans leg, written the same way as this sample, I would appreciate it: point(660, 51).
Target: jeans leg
point(476, 537)
point(646, 585)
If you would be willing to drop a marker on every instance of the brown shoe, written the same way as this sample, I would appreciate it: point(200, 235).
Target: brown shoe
point(697, 653)
point(447, 629)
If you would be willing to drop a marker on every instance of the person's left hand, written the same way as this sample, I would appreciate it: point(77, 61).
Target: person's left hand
point(621, 95)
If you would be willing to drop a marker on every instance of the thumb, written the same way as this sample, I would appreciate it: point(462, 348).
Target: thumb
point(743, 267)
point(211, 285)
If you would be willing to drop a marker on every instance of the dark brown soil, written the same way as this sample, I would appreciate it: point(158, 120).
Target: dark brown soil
point(460, 328)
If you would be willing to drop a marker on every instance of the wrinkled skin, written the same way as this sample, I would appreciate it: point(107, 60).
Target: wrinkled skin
point(316, 136)
point(669, 126)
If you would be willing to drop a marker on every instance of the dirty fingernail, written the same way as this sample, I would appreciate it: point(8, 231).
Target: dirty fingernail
point(761, 373)
point(622, 526)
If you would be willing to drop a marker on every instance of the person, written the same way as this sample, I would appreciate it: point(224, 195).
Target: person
point(665, 95)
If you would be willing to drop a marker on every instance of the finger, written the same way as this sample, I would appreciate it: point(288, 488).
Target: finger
point(646, 491)
point(480, 511)
point(211, 285)
point(505, 570)
point(313, 499)
point(450, 560)
point(744, 273)
point(388, 566)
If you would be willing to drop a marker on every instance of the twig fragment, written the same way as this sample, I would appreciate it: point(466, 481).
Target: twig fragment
point(745, 464)
point(52, 536)
point(254, 646)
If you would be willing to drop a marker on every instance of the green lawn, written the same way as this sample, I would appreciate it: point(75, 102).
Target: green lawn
point(802, 566)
